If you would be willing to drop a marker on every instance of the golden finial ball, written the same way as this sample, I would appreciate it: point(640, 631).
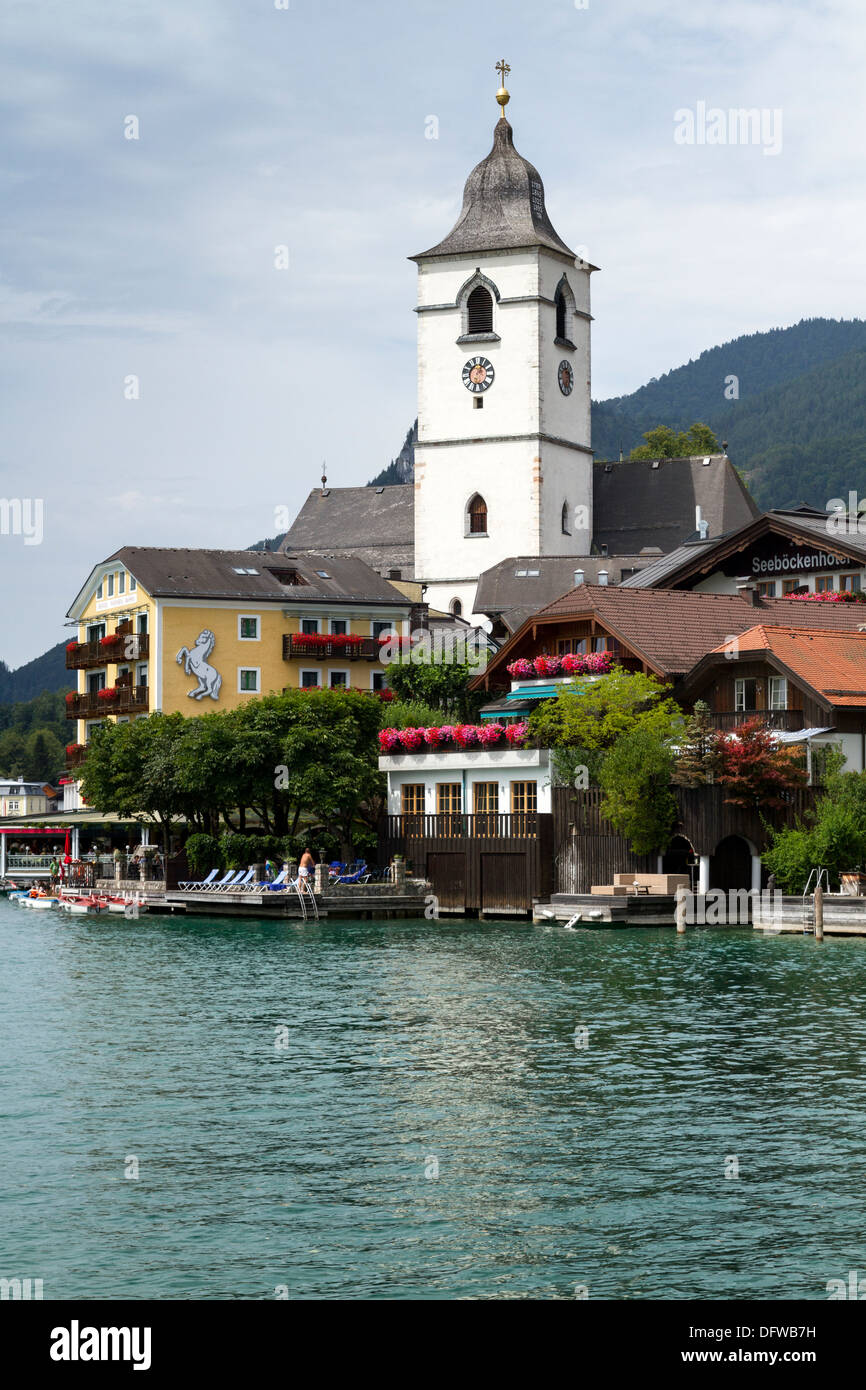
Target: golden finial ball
point(503, 96)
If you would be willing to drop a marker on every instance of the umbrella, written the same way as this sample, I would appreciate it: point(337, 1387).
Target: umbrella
point(67, 858)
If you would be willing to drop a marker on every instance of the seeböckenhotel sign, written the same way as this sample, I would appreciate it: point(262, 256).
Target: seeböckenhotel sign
point(796, 561)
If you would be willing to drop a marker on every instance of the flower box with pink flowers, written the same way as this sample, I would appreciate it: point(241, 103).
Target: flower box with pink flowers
point(572, 664)
point(453, 737)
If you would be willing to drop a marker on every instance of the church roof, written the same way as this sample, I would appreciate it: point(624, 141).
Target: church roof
point(503, 205)
point(376, 524)
point(516, 588)
point(640, 503)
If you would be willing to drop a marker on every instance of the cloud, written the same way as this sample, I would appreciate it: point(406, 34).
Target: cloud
point(306, 128)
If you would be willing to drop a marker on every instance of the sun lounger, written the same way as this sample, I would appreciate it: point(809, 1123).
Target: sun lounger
point(220, 883)
point(353, 878)
point(199, 884)
point(274, 883)
point(244, 881)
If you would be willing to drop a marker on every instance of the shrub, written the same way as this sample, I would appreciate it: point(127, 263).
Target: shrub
point(203, 853)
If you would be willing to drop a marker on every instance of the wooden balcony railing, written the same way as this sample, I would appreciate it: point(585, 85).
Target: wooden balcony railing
point(787, 720)
point(124, 646)
point(76, 755)
point(457, 825)
point(299, 644)
point(123, 699)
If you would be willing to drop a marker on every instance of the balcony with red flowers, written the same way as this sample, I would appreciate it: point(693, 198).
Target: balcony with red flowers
point(122, 645)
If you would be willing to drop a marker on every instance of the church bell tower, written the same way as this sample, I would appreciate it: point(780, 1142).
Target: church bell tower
point(503, 463)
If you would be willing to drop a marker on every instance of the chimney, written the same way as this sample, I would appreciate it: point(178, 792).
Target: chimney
point(602, 576)
point(747, 589)
point(578, 578)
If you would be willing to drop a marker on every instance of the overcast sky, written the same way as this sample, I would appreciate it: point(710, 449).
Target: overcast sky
point(305, 127)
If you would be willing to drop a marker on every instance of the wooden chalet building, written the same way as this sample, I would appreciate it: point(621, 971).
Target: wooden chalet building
point(798, 664)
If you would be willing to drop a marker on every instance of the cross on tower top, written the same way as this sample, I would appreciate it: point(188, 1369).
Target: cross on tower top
point(502, 96)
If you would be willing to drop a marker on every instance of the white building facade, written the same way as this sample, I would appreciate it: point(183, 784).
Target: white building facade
point(472, 781)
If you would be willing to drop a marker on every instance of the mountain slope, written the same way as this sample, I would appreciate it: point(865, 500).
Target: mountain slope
point(46, 672)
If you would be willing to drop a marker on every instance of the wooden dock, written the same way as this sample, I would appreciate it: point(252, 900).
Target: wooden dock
point(359, 900)
point(608, 910)
point(844, 915)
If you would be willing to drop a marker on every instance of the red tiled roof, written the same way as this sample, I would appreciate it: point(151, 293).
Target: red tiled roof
point(832, 663)
point(675, 628)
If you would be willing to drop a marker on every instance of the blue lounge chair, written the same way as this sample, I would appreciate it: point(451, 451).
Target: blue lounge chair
point(221, 883)
point(243, 882)
point(273, 883)
point(354, 878)
point(280, 884)
point(199, 883)
point(234, 877)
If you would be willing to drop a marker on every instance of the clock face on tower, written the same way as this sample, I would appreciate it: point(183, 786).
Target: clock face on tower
point(566, 378)
point(478, 374)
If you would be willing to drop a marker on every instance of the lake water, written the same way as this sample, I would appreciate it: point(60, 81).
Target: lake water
point(306, 1158)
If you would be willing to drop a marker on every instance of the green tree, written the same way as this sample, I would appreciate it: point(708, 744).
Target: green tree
point(13, 754)
point(665, 443)
point(594, 715)
point(44, 756)
point(635, 778)
point(832, 837)
point(439, 683)
point(699, 758)
point(131, 769)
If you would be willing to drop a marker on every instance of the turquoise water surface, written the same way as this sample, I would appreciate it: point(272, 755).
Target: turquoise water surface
point(305, 1159)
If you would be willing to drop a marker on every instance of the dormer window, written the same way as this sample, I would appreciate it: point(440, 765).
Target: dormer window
point(289, 577)
point(479, 308)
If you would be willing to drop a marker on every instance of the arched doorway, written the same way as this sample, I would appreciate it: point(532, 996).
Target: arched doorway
point(676, 857)
point(731, 865)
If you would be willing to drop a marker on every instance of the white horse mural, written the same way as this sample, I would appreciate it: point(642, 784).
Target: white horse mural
point(195, 663)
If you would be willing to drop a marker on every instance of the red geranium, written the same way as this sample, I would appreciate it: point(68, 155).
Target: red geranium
point(412, 739)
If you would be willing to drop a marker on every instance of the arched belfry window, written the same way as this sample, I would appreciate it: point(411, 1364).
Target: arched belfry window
point(476, 516)
point(561, 325)
point(479, 309)
point(476, 300)
point(564, 304)
point(566, 529)
point(457, 608)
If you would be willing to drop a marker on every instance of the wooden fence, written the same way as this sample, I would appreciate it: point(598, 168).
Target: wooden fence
point(490, 862)
point(587, 849)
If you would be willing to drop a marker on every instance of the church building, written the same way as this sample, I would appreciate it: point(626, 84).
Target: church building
point(504, 475)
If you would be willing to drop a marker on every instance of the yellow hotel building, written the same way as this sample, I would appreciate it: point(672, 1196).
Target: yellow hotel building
point(202, 630)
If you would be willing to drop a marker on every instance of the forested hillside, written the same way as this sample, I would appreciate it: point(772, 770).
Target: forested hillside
point(33, 736)
point(45, 672)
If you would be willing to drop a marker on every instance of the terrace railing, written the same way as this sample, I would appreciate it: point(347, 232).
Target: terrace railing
point(457, 825)
point(121, 699)
point(311, 647)
point(123, 646)
point(786, 720)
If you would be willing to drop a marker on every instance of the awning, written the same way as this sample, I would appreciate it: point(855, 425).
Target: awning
point(801, 736)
